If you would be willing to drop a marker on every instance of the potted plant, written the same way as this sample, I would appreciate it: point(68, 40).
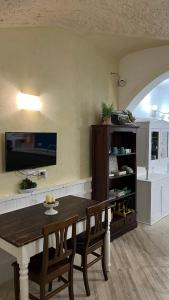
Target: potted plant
point(107, 110)
point(27, 186)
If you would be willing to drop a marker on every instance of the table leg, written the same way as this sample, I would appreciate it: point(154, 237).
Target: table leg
point(107, 243)
point(24, 282)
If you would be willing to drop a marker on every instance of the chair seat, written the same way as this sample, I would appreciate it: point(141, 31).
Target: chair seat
point(36, 263)
point(81, 242)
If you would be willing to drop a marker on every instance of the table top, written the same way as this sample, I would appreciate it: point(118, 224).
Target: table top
point(23, 226)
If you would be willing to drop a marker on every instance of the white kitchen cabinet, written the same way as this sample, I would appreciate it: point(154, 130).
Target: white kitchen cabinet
point(152, 198)
point(153, 144)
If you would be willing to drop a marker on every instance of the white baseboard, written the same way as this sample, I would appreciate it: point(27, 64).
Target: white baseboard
point(81, 188)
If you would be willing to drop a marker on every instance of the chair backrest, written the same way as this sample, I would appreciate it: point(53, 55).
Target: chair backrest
point(95, 214)
point(60, 250)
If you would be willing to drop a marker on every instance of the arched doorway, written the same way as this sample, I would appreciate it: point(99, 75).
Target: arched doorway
point(145, 94)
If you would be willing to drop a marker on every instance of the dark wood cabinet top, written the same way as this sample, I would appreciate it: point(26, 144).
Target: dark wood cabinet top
point(23, 226)
point(132, 125)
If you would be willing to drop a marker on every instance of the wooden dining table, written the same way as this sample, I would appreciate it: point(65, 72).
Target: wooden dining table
point(21, 232)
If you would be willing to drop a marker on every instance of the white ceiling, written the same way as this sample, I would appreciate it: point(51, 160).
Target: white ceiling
point(130, 17)
point(101, 21)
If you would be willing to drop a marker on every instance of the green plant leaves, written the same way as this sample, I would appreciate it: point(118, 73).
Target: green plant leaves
point(27, 184)
point(107, 109)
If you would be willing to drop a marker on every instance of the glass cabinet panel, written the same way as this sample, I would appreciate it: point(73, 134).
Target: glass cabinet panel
point(154, 145)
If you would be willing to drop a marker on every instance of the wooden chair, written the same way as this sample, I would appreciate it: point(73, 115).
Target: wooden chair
point(93, 239)
point(52, 263)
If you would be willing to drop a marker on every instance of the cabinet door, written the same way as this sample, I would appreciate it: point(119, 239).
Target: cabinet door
point(142, 147)
point(156, 201)
point(165, 198)
point(164, 143)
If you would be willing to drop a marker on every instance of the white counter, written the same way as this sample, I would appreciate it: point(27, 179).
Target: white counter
point(153, 176)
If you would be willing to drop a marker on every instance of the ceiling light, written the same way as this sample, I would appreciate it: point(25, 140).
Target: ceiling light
point(154, 107)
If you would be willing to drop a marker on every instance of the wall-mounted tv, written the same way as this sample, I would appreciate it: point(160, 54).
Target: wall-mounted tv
point(27, 150)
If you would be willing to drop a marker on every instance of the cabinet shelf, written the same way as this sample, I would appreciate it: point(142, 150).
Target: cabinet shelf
point(113, 199)
point(121, 176)
point(124, 154)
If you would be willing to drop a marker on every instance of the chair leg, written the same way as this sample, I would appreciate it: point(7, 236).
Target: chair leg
point(104, 264)
point(16, 282)
point(85, 275)
point(42, 291)
point(70, 278)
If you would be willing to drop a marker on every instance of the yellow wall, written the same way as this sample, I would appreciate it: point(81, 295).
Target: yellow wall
point(72, 77)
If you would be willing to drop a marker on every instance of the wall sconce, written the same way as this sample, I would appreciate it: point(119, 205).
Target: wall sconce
point(120, 82)
point(28, 102)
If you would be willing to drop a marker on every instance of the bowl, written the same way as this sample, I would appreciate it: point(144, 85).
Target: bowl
point(21, 191)
point(51, 211)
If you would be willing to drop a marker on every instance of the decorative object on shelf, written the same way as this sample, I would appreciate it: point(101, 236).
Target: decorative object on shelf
point(117, 193)
point(107, 110)
point(127, 169)
point(127, 151)
point(122, 210)
point(130, 115)
point(50, 202)
point(113, 166)
point(122, 117)
point(114, 151)
point(27, 186)
point(121, 150)
point(119, 173)
point(119, 118)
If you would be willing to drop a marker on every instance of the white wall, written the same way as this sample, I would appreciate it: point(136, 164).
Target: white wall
point(139, 69)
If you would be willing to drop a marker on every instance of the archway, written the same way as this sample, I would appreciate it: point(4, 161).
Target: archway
point(147, 89)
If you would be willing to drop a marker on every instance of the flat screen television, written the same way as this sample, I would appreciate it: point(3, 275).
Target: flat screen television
point(27, 150)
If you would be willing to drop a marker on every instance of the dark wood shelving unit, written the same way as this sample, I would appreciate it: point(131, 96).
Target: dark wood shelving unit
point(104, 138)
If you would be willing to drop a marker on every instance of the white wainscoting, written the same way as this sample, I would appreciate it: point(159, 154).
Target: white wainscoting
point(81, 188)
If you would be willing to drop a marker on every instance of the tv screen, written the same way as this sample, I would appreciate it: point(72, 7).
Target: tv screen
point(26, 150)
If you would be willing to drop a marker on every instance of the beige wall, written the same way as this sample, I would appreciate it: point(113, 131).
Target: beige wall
point(139, 69)
point(72, 77)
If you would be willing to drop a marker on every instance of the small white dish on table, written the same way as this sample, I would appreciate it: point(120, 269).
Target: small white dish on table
point(51, 211)
point(50, 203)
